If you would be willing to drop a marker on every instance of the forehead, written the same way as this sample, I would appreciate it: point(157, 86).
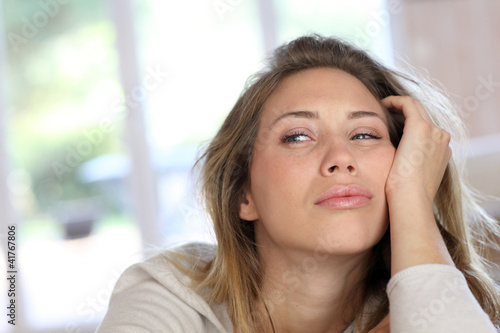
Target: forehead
point(319, 89)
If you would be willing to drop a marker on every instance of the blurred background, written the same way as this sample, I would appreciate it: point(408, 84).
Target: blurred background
point(104, 106)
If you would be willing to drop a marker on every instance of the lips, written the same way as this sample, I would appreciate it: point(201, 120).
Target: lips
point(345, 197)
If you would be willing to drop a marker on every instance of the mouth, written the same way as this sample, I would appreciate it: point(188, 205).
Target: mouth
point(345, 197)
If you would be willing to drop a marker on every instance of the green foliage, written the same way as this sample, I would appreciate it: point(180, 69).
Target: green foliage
point(62, 65)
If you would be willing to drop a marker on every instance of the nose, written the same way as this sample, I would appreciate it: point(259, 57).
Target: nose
point(338, 159)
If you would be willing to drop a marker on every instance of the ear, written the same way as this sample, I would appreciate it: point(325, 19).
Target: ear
point(248, 210)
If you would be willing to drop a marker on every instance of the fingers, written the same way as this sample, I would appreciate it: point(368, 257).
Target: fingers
point(411, 108)
point(423, 152)
point(423, 111)
point(413, 111)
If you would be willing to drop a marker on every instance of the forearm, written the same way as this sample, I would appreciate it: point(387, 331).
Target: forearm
point(415, 237)
point(434, 298)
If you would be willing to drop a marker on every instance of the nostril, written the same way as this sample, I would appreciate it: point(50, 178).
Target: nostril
point(331, 169)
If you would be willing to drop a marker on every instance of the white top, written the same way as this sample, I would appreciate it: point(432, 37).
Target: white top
point(152, 296)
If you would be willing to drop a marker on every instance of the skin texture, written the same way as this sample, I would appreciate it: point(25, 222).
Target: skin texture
point(312, 137)
point(288, 177)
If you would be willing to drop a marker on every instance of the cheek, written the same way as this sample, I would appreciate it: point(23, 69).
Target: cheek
point(275, 179)
point(386, 158)
point(378, 163)
point(268, 171)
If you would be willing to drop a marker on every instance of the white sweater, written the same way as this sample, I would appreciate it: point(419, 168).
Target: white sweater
point(152, 296)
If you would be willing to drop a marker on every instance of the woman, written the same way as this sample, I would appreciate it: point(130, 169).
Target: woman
point(322, 152)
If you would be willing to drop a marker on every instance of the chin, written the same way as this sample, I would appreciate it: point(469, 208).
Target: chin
point(352, 237)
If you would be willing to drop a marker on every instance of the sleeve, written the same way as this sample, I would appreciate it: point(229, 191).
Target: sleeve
point(434, 298)
point(140, 303)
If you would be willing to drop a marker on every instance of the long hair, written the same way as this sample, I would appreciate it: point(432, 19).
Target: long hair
point(235, 274)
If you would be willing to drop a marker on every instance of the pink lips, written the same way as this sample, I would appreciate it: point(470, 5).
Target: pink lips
point(345, 197)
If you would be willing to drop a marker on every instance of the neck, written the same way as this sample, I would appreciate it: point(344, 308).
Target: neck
point(309, 292)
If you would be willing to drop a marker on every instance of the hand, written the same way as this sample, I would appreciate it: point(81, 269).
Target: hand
point(416, 173)
point(422, 154)
point(382, 327)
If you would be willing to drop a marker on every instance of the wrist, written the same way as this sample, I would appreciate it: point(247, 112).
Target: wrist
point(415, 235)
point(408, 197)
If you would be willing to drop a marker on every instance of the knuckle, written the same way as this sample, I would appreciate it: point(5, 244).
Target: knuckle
point(436, 133)
point(424, 127)
point(407, 99)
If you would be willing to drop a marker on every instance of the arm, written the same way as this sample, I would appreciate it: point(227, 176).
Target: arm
point(426, 292)
point(434, 298)
point(413, 181)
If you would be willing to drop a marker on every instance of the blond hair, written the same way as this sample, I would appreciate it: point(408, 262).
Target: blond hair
point(234, 276)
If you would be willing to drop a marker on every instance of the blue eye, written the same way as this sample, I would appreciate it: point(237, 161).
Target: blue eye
point(364, 136)
point(295, 137)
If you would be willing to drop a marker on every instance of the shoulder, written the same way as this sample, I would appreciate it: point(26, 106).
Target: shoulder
point(166, 268)
point(156, 295)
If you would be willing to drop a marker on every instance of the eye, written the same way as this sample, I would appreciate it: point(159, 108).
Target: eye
point(365, 136)
point(295, 137)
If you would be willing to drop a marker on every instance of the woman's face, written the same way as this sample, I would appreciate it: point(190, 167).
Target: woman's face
point(321, 160)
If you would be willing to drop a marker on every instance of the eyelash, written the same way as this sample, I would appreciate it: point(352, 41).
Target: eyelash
point(371, 135)
point(286, 138)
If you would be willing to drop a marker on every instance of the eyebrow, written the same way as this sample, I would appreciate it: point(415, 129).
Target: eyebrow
point(296, 114)
point(362, 114)
point(315, 115)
